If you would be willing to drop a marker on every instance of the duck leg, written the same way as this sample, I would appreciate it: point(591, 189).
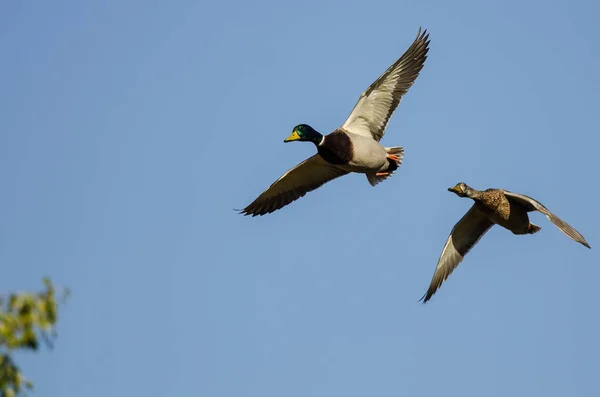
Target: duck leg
point(394, 158)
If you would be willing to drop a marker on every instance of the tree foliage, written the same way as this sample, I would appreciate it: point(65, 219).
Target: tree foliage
point(26, 319)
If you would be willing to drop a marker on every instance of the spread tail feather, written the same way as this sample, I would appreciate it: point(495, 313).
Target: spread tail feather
point(392, 165)
point(397, 150)
point(533, 228)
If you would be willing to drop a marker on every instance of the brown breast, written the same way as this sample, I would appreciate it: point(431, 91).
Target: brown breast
point(496, 203)
point(501, 211)
point(337, 148)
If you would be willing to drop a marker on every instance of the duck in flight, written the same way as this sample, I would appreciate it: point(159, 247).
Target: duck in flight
point(353, 147)
point(491, 207)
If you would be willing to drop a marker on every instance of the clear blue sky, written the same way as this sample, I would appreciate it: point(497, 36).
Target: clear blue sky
point(131, 129)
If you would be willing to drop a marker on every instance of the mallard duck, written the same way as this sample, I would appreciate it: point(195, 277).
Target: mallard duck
point(353, 147)
point(491, 207)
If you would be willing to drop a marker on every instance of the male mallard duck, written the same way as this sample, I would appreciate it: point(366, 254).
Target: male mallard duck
point(492, 206)
point(353, 147)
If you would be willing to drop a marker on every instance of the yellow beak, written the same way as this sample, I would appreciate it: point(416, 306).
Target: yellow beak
point(454, 189)
point(293, 137)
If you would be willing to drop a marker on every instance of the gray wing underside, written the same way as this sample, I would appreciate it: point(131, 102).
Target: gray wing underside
point(373, 110)
point(464, 235)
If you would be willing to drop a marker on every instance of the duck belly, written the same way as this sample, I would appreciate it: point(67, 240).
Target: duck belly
point(369, 156)
point(517, 219)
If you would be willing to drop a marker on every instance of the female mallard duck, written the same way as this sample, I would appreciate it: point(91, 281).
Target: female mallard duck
point(354, 147)
point(492, 207)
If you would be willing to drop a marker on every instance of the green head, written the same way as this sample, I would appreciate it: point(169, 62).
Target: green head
point(304, 132)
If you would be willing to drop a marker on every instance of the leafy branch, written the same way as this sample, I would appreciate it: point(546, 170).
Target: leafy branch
point(25, 320)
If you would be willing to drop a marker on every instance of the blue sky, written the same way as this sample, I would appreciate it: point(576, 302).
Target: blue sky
point(129, 131)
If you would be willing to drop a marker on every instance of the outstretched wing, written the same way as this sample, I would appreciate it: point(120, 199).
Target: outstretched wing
point(534, 205)
point(464, 235)
point(309, 175)
point(371, 114)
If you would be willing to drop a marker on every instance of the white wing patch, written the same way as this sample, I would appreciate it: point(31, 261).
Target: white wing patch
point(374, 108)
point(370, 113)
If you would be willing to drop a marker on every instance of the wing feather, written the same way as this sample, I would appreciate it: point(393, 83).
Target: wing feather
point(533, 205)
point(464, 235)
point(309, 175)
point(373, 110)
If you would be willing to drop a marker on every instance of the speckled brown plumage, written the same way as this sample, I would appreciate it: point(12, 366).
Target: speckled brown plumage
point(490, 207)
point(492, 201)
point(501, 211)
